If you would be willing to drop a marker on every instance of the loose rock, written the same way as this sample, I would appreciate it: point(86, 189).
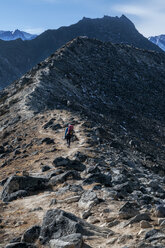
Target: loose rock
point(69, 241)
point(88, 200)
point(128, 210)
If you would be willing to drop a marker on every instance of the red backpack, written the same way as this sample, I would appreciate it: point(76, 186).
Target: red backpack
point(70, 129)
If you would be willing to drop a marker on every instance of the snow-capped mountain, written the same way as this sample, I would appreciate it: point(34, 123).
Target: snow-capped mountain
point(17, 34)
point(158, 40)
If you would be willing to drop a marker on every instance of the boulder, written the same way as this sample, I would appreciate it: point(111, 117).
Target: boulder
point(128, 210)
point(79, 156)
point(71, 188)
point(160, 211)
point(88, 200)
point(61, 161)
point(54, 173)
point(146, 199)
point(32, 234)
point(58, 223)
point(70, 241)
point(55, 127)
point(139, 217)
point(154, 235)
point(74, 175)
point(47, 141)
point(101, 178)
point(49, 123)
point(93, 169)
point(17, 186)
point(45, 168)
point(123, 189)
point(69, 164)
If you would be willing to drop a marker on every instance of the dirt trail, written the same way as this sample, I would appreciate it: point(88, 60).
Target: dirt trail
point(76, 145)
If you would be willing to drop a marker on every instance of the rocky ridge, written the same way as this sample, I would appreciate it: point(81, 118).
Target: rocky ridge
point(107, 190)
point(17, 57)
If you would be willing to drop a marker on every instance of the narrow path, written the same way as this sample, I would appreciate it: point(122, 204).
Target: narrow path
point(58, 136)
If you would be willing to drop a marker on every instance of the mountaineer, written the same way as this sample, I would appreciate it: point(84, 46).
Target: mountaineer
point(69, 134)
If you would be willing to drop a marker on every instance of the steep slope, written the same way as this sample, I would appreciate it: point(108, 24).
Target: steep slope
point(22, 56)
point(158, 40)
point(112, 177)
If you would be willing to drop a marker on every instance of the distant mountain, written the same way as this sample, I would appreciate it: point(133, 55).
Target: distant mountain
point(17, 34)
point(18, 57)
point(158, 40)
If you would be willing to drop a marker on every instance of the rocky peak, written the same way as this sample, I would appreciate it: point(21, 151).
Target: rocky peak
point(158, 40)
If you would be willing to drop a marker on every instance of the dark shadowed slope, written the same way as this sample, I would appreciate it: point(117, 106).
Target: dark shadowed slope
point(17, 57)
point(110, 83)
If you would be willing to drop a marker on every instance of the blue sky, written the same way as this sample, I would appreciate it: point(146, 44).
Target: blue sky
point(35, 16)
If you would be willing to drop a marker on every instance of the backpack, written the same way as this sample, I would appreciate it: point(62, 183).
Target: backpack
point(66, 132)
point(70, 129)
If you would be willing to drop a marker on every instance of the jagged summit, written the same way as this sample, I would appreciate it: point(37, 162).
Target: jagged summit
point(16, 34)
point(158, 40)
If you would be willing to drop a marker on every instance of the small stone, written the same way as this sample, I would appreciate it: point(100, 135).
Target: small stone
point(53, 202)
point(160, 220)
point(162, 223)
point(86, 214)
point(93, 220)
point(45, 168)
point(124, 238)
point(47, 141)
point(36, 209)
point(106, 210)
point(113, 223)
point(145, 224)
point(141, 232)
point(73, 199)
point(160, 211)
point(111, 241)
point(17, 152)
point(88, 200)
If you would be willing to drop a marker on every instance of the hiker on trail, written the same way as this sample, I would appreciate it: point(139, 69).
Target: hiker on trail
point(68, 134)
